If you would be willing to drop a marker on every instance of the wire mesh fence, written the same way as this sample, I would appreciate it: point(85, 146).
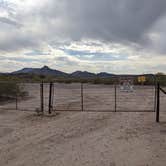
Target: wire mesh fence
point(98, 97)
point(141, 98)
point(20, 96)
point(102, 98)
point(8, 97)
point(31, 102)
point(77, 97)
point(67, 97)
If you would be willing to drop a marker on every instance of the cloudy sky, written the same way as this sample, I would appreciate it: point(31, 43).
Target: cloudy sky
point(116, 36)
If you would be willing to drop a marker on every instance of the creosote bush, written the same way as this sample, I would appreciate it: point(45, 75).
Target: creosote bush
point(10, 90)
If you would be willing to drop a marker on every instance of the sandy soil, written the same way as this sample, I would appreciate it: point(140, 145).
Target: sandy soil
point(82, 138)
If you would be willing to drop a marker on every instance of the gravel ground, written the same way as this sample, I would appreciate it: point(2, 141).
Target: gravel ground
point(83, 138)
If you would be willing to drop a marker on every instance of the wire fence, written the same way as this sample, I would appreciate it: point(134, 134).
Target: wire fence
point(77, 97)
point(20, 96)
point(103, 98)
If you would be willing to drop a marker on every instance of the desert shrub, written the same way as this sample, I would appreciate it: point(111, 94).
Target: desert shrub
point(97, 81)
point(161, 78)
point(10, 90)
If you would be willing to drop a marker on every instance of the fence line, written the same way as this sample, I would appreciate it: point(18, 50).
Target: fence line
point(111, 98)
point(114, 93)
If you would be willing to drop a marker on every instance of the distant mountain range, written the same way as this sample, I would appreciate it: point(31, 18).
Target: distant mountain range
point(40, 71)
point(45, 70)
point(82, 74)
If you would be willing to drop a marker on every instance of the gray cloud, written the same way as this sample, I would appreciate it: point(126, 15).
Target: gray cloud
point(10, 22)
point(17, 41)
point(117, 21)
point(109, 20)
point(61, 61)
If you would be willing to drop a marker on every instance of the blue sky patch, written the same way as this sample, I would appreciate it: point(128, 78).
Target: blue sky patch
point(85, 55)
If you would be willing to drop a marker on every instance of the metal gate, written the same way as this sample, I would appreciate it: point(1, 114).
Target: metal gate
point(128, 94)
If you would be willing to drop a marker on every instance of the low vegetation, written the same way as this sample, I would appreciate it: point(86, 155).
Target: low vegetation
point(160, 77)
point(10, 91)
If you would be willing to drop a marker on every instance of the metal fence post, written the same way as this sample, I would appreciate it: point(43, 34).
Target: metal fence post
point(50, 98)
point(82, 98)
point(158, 103)
point(115, 98)
point(41, 97)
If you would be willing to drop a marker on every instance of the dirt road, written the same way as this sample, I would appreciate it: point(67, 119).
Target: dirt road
point(82, 139)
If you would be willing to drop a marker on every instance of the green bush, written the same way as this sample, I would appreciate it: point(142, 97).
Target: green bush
point(10, 90)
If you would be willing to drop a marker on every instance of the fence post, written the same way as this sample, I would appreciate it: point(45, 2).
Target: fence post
point(158, 103)
point(82, 98)
point(41, 97)
point(50, 98)
point(115, 98)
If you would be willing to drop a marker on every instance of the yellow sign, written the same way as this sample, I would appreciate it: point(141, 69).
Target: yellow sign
point(141, 79)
